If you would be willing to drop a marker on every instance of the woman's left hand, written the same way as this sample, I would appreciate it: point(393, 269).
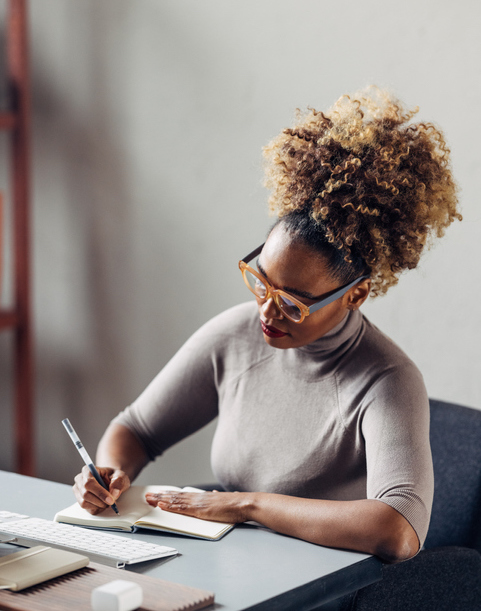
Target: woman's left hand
point(231, 507)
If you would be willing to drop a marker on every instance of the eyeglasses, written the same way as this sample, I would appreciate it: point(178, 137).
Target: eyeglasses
point(291, 308)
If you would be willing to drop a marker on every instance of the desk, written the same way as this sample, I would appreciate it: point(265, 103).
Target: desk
point(250, 568)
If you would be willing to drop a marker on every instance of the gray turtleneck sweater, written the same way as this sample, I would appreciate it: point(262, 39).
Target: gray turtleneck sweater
point(343, 418)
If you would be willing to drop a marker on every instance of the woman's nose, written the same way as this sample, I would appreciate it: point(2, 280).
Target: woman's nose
point(270, 310)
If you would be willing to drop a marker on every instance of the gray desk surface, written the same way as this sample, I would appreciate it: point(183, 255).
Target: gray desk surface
point(250, 568)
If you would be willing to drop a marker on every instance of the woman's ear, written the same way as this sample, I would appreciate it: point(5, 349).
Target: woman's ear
point(358, 294)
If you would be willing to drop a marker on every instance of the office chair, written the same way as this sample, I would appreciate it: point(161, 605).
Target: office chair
point(446, 574)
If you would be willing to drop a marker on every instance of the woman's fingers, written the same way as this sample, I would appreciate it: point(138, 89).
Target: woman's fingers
point(119, 483)
point(91, 496)
point(218, 506)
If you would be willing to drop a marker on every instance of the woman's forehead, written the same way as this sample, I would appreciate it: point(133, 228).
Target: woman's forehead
point(291, 265)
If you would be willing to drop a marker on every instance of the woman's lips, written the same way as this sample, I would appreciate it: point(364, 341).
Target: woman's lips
point(271, 331)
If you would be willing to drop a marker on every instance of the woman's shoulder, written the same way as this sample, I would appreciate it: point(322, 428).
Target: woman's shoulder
point(383, 370)
point(232, 341)
point(377, 347)
point(375, 362)
point(233, 321)
point(233, 327)
point(378, 377)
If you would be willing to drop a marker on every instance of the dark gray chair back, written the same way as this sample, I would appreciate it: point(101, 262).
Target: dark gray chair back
point(456, 446)
point(447, 578)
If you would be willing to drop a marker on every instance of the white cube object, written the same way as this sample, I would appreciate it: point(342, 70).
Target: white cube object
point(118, 595)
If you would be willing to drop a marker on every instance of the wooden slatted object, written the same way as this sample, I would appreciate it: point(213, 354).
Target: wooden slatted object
point(16, 119)
point(73, 591)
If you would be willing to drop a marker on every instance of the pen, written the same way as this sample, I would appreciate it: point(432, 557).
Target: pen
point(86, 458)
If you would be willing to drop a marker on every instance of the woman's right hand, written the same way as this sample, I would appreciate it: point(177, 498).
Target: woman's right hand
point(91, 496)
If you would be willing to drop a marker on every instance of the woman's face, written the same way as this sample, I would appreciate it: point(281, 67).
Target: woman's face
point(290, 265)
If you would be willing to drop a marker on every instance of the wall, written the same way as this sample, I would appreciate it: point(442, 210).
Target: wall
point(149, 119)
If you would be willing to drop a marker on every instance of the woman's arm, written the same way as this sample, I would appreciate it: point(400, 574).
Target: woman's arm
point(365, 525)
point(120, 458)
point(120, 449)
point(173, 406)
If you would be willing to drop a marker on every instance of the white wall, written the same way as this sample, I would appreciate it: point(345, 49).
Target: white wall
point(149, 118)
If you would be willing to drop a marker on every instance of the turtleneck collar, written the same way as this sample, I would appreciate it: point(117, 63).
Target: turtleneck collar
point(341, 336)
point(322, 357)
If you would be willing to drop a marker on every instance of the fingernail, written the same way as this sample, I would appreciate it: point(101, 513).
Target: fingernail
point(109, 500)
point(115, 494)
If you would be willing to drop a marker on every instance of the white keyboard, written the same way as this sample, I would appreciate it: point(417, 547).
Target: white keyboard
point(99, 546)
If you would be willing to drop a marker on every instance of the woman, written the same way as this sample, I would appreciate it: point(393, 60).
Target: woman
point(323, 421)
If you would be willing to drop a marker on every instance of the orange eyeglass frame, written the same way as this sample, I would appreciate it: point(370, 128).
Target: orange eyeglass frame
point(276, 293)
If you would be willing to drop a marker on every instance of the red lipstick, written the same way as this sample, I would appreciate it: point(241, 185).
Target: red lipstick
point(271, 331)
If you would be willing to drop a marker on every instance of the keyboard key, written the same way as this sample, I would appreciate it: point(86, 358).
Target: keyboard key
point(108, 548)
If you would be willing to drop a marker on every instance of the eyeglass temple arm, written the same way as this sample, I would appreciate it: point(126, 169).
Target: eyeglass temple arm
point(253, 254)
point(339, 293)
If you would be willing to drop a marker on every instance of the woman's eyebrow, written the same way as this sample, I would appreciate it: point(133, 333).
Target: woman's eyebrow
point(288, 289)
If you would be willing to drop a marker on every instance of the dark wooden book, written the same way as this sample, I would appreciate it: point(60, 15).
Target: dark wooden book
point(73, 591)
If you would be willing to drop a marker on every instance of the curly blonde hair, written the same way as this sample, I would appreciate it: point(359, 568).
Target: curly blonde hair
point(376, 186)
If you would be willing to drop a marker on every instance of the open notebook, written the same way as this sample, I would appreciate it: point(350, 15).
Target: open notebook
point(136, 513)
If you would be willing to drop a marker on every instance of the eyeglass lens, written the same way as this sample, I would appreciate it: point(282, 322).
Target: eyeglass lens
point(255, 284)
point(288, 308)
